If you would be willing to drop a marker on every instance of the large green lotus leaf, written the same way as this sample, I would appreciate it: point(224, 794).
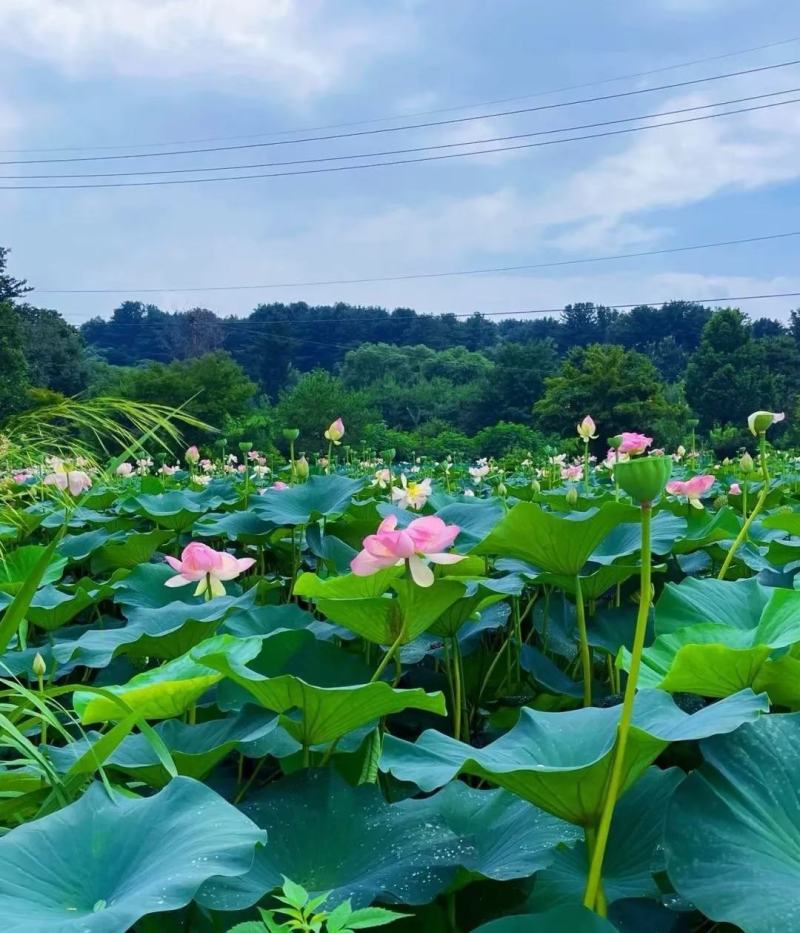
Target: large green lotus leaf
point(145, 586)
point(626, 539)
point(635, 848)
point(594, 582)
point(717, 660)
point(244, 525)
point(555, 543)
point(355, 845)
point(373, 616)
point(195, 749)
point(168, 690)
point(736, 603)
point(134, 549)
point(16, 566)
point(547, 674)
point(52, 607)
point(319, 497)
point(732, 835)
point(176, 510)
point(706, 528)
point(783, 521)
point(263, 620)
point(480, 593)
point(475, 518)
point(560, 761)
point(569, 918)
point(80, 546)
point(99, 864)
point(324, 714)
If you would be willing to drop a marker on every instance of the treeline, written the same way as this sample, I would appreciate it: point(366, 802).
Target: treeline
point(438, 384)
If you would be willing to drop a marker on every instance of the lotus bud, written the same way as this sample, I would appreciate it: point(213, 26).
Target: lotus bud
point(39, 667)
point(335, 432)
point(192, 455)
point(291, 434)
point(572, 495)
point(301, 467)
point(726, 461)
point(747, 463)
point(643, 479)
point(586, 429)
point(502, 489)
point(759, 421)
point(536, 486)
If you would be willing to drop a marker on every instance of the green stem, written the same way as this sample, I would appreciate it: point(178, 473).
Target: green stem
point(586, 467)
point(586, 656)
point(592, 898)
point(762, 498)
point(457, 690)
point(590, 838)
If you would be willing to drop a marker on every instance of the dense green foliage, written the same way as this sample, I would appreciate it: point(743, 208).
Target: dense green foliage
point(414, 382)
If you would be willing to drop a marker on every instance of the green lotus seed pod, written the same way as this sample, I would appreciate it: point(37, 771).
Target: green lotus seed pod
point(643, 478)
point(291, 434)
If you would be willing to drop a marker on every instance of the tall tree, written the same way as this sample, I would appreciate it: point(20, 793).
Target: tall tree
point(14, 381)
point(53, 349)
point(9, 286)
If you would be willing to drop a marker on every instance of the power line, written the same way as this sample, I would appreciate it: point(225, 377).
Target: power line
point(412, 126)
point(507, 314)
point(421, 113)
point(393, 162)
point(421, 275)
point(433, 146)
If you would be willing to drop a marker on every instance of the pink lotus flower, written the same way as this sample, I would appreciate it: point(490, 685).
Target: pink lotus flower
point(335, 432)
point(124, 469)
point(691, 489)
point(633, 443)
point(572, 472)
point(192, 455)
point(424, 540)
point(279, 485)
point(735, 490)
point(74, 480)
point(208, 568)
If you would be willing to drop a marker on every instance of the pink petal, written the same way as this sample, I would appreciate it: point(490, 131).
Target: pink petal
point(178, 581)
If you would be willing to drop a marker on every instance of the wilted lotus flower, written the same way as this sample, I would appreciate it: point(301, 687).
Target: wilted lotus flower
point(691, 489)
point(633, 443)
point(759, 421)
point(411, 494)
point(335, 432)
point(208, 568)
point(124, 469)
point(74, 480)
point(586, 429)
point(192, 455)
point(424, 540)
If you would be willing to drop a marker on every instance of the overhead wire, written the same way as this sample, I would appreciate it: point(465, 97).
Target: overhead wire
point(393, 162)
point(413, 126)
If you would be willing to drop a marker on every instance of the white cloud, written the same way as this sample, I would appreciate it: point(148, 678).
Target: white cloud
point(303, 46)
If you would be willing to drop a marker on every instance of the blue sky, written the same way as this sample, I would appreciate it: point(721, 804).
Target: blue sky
point(88, 73)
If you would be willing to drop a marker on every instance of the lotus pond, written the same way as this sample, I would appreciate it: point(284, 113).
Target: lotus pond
point(432, 697)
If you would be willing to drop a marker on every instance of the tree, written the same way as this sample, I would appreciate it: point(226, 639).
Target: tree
point(314, 401)
point(517, 382)
point(621, 389)
point(54, 351)
point(14, 382)
point(9, 286)
point(212, 387)
point(726, 378)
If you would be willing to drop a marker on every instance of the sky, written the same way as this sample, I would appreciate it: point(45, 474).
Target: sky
point(82, 78)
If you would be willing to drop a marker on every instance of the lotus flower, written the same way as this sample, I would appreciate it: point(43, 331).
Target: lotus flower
point(759, 421)
point(424, 540)
point(478, 472)
point(692, 489)
point(335, 432)
point(572, 472)
point(124, 469)
point(74, 480)
point(192, 455)
point(208, 568)
point(735, 489)
point(632, 443)
point(586, 429)
point(411, 494)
